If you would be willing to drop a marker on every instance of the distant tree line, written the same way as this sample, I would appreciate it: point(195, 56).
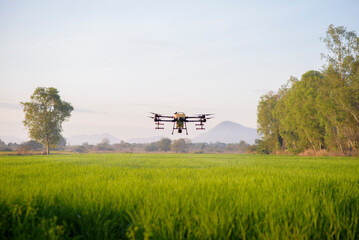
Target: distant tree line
point(8, 147)
point(319, 111)
point(164, 145)
point(31, 146)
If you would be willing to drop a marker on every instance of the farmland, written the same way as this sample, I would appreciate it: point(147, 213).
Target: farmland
point(178, 196)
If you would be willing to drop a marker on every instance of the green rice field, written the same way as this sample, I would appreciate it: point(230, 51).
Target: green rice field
point(178, 196)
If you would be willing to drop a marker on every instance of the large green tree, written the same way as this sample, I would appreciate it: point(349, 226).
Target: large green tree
point(297, 111)
point(268, 124)
point(340, 94)
point(44, 116)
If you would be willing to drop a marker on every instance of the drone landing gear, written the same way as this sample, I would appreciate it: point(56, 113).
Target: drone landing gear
point(159, 125)
point(200, 126)
point(179, 129)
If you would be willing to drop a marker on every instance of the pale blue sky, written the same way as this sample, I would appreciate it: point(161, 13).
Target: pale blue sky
point(117, 60)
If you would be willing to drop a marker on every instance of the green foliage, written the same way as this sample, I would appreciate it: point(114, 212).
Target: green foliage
point(268, 124)
point(61, 144)
point(179, 146)
point(178, 196)
point(242, 146)
point(343, 50)
point(321, 111)
point(44, 115)
point(2, 145)
point(263, 147)
point(300, 124)
point(33, 145)
point(164, 144)
point(151, 147)
point(104, 146)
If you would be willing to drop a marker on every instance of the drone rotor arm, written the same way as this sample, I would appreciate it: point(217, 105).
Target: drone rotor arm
point(165, 120)
point(194, 117)
point(194, 121)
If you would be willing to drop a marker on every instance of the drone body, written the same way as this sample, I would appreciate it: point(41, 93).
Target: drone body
point(180, 121)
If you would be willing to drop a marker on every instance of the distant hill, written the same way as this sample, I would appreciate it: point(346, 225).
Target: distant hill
point(228, 132)
point(145, 140)
point(12, 139)
point(91, 139)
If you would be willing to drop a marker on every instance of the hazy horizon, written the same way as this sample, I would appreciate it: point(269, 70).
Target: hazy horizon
point(98, 137)
point(117, 61)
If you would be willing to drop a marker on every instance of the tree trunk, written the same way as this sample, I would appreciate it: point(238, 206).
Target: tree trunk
point(338, 139)
point(310, 140)
point(47, 148)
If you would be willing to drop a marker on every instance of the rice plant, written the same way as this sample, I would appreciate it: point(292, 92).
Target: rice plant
point(178, 196)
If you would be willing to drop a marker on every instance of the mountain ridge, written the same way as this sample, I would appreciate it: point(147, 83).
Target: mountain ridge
point(228, 132)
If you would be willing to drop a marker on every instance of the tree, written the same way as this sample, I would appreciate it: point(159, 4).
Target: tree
point(268, 124)
point(61, 144)
point(299, 119)
point(104, 145)
point(151, 147)
point(164, 144)
point(179, 145)
point(343, 47)
point(44, 116)
point(242, 146)
point(340, 96)
point(105, 141)
point(2, 145)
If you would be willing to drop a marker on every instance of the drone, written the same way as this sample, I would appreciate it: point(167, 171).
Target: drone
point(180, 121)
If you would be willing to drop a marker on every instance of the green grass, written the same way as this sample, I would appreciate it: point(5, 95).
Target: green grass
point(175, 196)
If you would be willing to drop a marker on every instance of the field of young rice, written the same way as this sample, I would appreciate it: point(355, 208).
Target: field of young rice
point(178, 196)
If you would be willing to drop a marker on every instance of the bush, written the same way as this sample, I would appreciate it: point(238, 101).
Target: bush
point(23, 150)
point(81, 149)
point(152, 147)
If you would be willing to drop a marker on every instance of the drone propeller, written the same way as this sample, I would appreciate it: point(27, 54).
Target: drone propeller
point(204, 116)
point(156, 114)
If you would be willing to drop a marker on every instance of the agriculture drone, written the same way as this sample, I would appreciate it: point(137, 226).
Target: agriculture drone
point(180, 121)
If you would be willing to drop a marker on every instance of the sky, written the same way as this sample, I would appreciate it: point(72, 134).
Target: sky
point(115, 61)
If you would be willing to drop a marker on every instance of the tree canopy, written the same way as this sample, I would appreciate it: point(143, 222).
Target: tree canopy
point(321, 110)
point(44, 115)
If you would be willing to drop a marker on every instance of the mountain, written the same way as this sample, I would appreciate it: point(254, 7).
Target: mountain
point(91, 139)
point(11, 139)
point(228, 132)
point(145, 140)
